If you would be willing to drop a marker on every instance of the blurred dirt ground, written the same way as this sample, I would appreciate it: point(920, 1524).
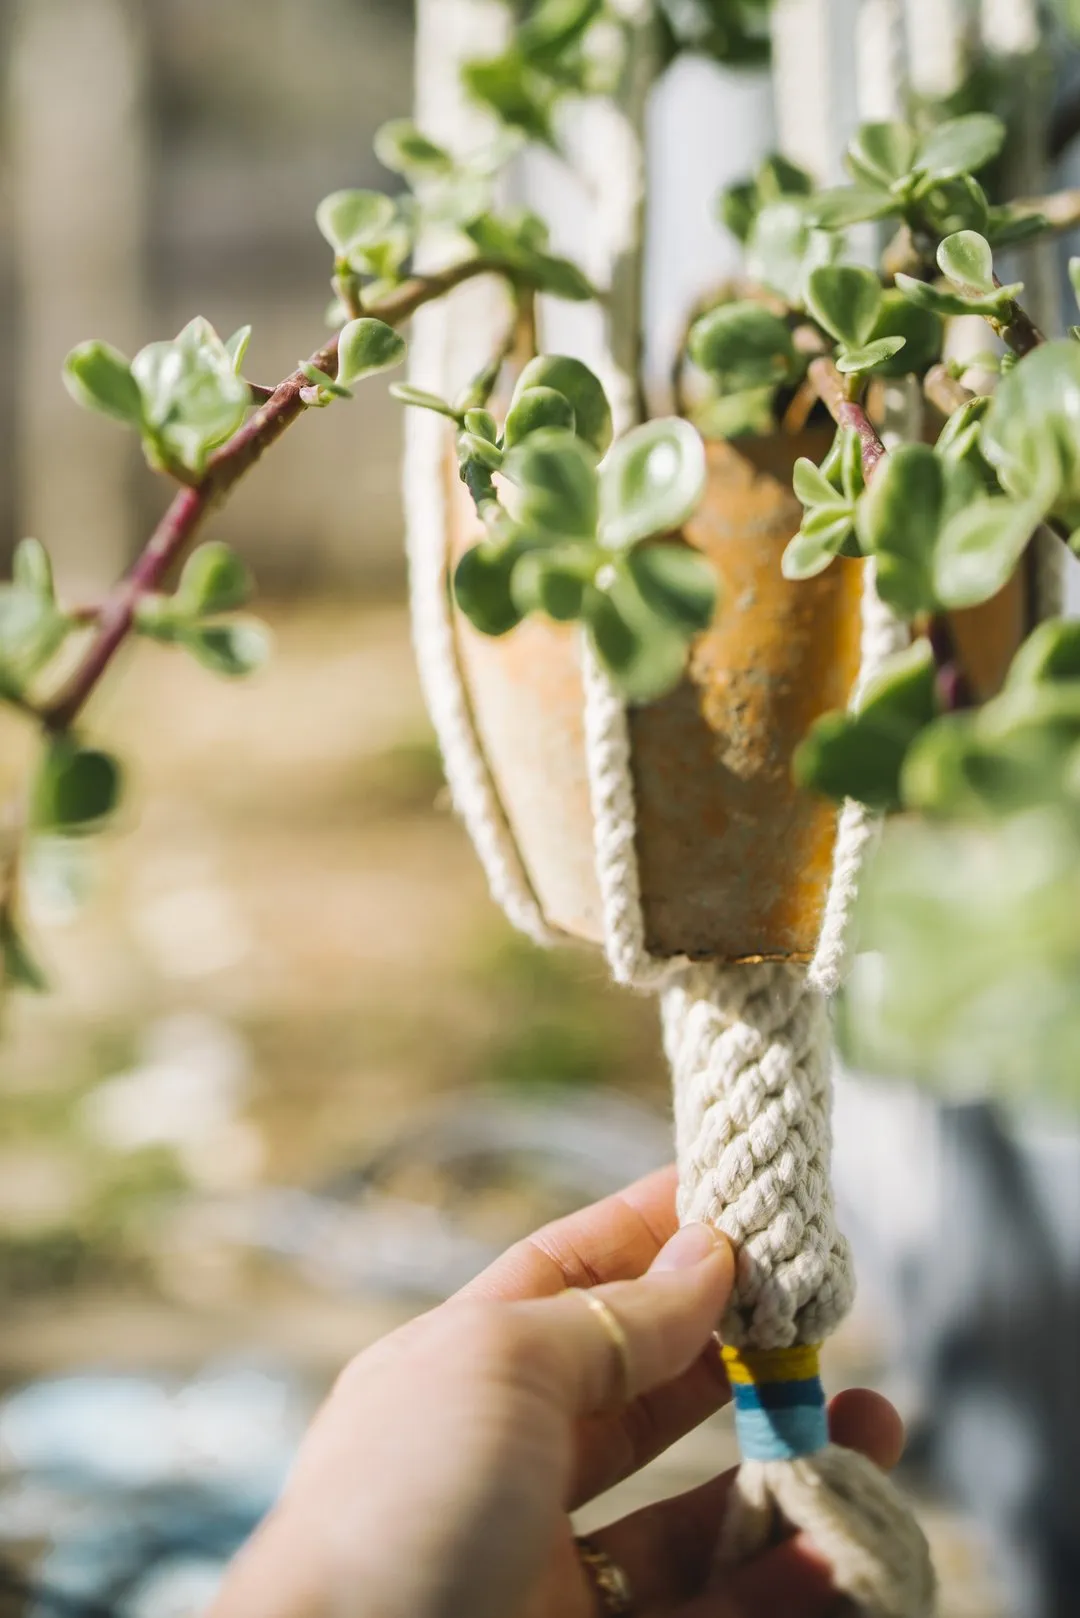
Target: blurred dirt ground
point(286, 949)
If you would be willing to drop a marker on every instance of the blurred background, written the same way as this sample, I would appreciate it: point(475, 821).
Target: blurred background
point(296, 1076)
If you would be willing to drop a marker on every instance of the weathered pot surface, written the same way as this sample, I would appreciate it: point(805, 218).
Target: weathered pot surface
point(734, 858)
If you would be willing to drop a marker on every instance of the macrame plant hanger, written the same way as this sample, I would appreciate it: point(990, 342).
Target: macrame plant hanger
point(568, 797)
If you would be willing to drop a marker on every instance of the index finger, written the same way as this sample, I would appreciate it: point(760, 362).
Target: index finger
point(612, 1240)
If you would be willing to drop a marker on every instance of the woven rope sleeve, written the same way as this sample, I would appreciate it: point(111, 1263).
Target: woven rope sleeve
point(751, 1060)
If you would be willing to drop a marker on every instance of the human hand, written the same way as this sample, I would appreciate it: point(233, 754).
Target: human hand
point(437, 1480)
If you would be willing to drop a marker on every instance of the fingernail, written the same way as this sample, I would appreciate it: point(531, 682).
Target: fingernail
point(689, 1246)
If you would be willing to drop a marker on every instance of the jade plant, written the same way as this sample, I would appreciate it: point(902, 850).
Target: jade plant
point(969, 934)
point(972, 942)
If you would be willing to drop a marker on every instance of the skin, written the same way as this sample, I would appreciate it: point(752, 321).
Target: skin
point(438, 1478)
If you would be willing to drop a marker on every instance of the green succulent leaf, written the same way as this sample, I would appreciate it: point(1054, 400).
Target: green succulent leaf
point(980, 548)
point(99, 378)
point(743, 345)
point(643, 653)
point(192, 398)
point(961, 145)
point(784, 246)
point(32, 630)
point(352, 220)
point(404, 149)
point(406, 394)
point(651, 482)
point(811, 486)
point(1031, 431)
point(366, 347)
point(32, 570)
point(235, 647)
point(1051, 652)
point(921, 329)
point(214, 580)
point(482, 424)
point(553, 580)
point(846, 300)
point(738, 208)
point(482, 588)
point(870, 356)
point(882, 153)
point(1004, 228)
point(949, 206)
point(475, 447)
point(901, 516)
point(236, 347)
point(941, 302)
point(823, 536)
point(842, 206)
point(515, 91)
point(557, 486)
point(778, 177)
point(966, 258)
point(552, 27)
point(677, 583)
point(521, 247)
point(861, 755)
point(75, 788)
point(533, 410)
point(584, 390)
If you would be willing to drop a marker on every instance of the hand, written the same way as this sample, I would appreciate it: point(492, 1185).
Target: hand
point(436, 1481)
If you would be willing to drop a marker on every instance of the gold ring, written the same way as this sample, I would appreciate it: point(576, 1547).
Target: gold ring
point(610, 1584)
point(619, 1341)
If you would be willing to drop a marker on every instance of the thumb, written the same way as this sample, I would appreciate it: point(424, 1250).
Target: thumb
point(644, 1333)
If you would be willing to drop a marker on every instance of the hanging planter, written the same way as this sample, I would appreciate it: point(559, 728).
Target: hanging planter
point(735, 859)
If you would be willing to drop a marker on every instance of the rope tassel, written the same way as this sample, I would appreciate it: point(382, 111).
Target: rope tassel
point(751, 1063)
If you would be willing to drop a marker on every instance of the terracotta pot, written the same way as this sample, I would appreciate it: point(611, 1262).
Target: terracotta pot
point(734, 859)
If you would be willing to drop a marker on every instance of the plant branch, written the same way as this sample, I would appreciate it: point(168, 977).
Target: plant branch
point(1017, 331)
point(192, 506)
point(944, 392)
point(831, 390)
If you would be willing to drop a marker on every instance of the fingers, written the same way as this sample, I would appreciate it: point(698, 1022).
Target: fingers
point(612, 1240)
point(668, 1550)
point(618, 1443)
point(655, 1328)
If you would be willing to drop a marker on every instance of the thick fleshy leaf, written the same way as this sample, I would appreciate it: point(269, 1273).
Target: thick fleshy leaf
point(738, 208)
point(18, 968)
point(778, 177)
point(644, 655)
point(237, 346)
point(553, 26)
point(193, 399)
point(651, 482)
point(214, 580)
point(515, 92)
point(351, 219)
point(869, 356)
point(366, 347)
point(1051, 652)
point(99, 377)
point(558, 491)
point(482, 424)
point(979, 550)
point(585, 391)
point(31, 569)
point(922, 330)
point(861, 755)
point(845, 298)
point(535, 409)
point(677, 582)
point(521, 246)
point(941, 302)
point(949, 206)
point(809, 554)
point(482, 588)
point(401, 147)
point(1031, 432)
point(473, 447)
point(811, 486)
point(235, 648)
point(553, 580)
point(965, 258)
point(406, 394)
point(743, 345)
point(961, 145)
point(75, 789)
point(784, 247)
point(882, 153)
point(901, 517)
point(845, 205)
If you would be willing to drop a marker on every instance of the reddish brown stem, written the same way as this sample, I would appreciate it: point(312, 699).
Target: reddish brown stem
point(191, 506)
point(829, 385)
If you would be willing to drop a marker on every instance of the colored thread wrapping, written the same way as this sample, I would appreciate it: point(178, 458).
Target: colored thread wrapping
point(779, 1402)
